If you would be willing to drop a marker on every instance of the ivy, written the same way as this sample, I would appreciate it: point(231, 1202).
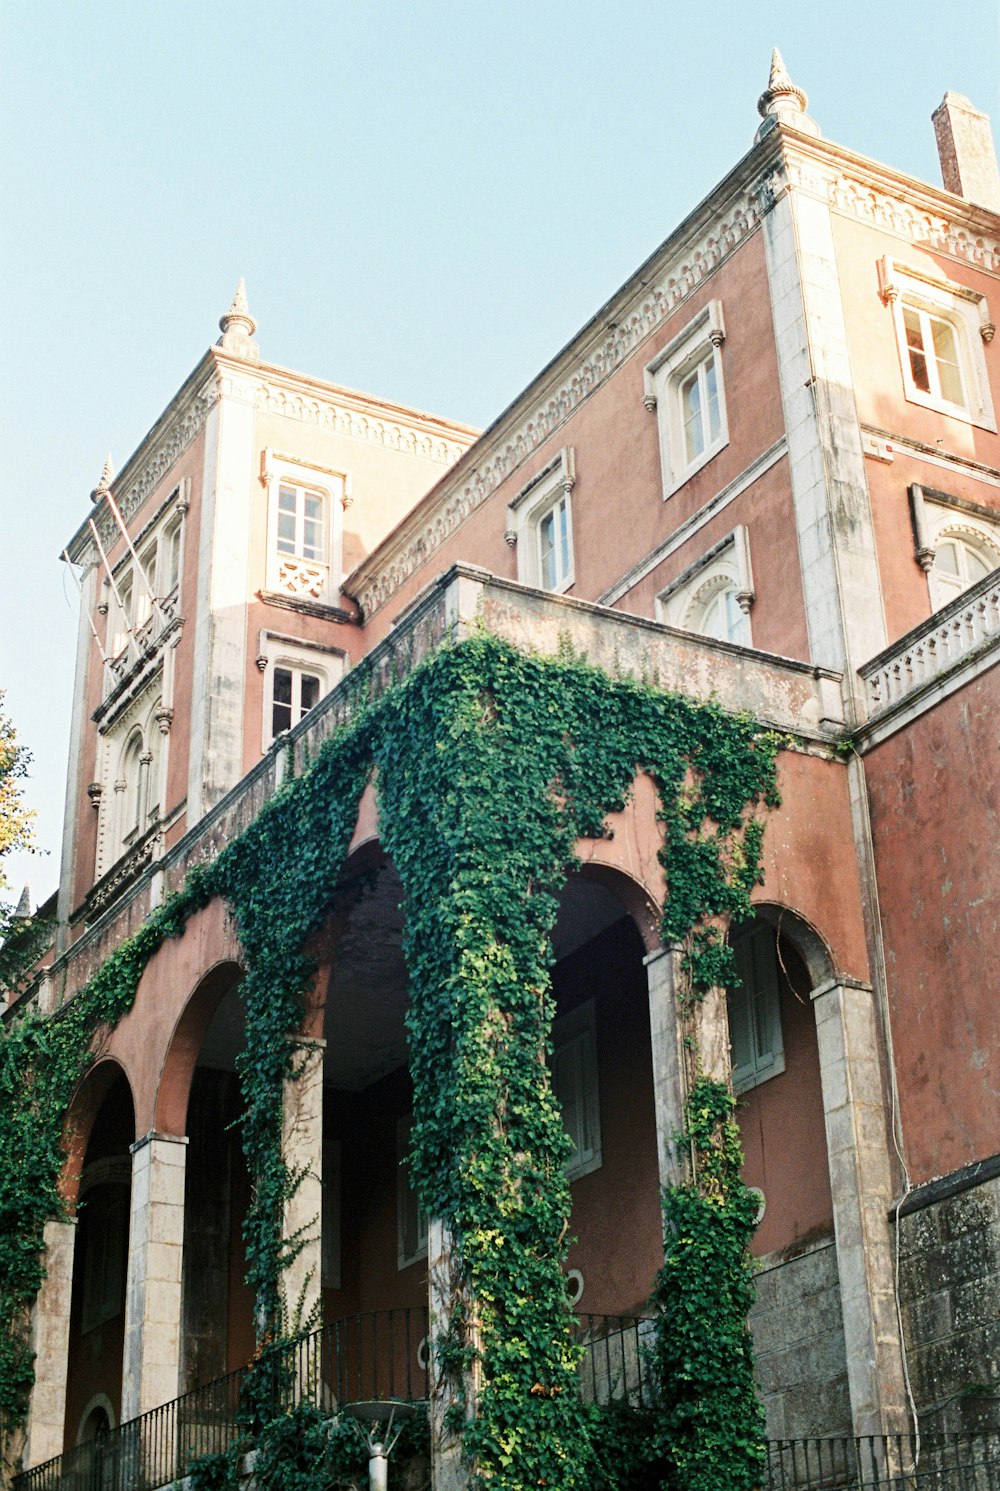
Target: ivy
point(710, 1426)
point(490, 764)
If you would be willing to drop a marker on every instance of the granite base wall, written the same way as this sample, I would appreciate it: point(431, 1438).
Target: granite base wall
point(949, 1289)
point(798, 1335)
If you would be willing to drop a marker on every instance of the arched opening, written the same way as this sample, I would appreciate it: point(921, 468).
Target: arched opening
point(200, 1088)
point(100, 1259)
point(797, 1322)
point(602, 1076)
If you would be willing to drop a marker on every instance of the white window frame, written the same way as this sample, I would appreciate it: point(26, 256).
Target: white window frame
point(574, 1051)
point(905, 286)
point(408, 1209)
point(725, 566)
point(295, 575)
point(697, 343)
point(275, 650)
point(755, 950)
point(548, 491)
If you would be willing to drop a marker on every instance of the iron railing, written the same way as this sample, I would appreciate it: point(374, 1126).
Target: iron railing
point(615, 1367)
point(385, 1354)
point(896, 1462)
point(380, 1354)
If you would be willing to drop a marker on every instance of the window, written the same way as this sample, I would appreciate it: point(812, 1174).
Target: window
point(699, 395)
point(298, 675)
point(683, 384)
point(540, 524)
point(293, 694)
point(958, 563)
point(122, 629)
point(305, 513)
point(714, 595)
point(940, 330)
point(754, 1014)
point(300, 522)
point(104, 1239)
point(574, 1082)
point(956, 542)
point(411, 1220)
point(170, 560)
point(131, 790)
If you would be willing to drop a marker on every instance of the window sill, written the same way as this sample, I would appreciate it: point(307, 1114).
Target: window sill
point(689, 471)
point(981, 420)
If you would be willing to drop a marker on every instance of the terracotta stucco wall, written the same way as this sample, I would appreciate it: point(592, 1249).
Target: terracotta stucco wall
point(935, 811)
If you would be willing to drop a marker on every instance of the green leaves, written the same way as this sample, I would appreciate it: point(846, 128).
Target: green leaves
point(490, 765)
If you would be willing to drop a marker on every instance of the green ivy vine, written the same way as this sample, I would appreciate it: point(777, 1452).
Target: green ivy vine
point(489, 765)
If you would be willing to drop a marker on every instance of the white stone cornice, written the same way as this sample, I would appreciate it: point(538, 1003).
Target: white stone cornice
point(416, 437)
point(896, 204)
point(170, 437)
point(675, 272)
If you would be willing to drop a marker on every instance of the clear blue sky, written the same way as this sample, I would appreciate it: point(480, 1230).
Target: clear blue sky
point(427, 199)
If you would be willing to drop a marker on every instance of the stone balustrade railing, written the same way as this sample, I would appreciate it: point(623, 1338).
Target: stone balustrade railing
point(954, 635)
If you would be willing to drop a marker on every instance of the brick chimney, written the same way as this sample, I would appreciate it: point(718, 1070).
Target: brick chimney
point(965, 148)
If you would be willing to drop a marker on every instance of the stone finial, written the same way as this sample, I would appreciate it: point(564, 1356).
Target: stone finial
point(783, 101)
point(104, 484)
point(965, 150)
point(24, 904)
point(238, 326)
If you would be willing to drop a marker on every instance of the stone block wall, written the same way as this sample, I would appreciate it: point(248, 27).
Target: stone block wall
point(949, 1286)
point(798, 1337)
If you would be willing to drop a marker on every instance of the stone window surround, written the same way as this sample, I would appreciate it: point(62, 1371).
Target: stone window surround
point(966, 310)
point(335, 488)
point(700, 339)
point(526, 511)
point(277, 649)
point(936, 515)
point(729, 559)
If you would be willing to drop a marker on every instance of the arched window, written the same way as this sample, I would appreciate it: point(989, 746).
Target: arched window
point(716, 612)
point(131, 790)
point(960, 559)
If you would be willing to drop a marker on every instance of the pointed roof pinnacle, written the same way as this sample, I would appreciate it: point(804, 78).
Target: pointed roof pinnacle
point(784, 100)
point(107, 477)
point(238, 316)
point(24, 904)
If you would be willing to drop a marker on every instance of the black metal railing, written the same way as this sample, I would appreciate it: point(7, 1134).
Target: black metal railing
point(385, 1354)
point(615, 1366)
point(896, 1462)
point(379, 1354)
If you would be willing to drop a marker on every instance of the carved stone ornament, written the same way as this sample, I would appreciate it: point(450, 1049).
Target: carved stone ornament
point(781, 91)
point(104, 482)
point(238, 316)
point(261, 661)
point(164, 717)
point(95, 792)
point(510, 537)
point(987, 331)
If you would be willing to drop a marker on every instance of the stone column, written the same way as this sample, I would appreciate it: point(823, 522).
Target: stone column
point(860, 1179)
point(302, 1151)
point(447, 1471)
point(674, 1062)
point(50, 1343)
point(663, 976)
point(151, 1365)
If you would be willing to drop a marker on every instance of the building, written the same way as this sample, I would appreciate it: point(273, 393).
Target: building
point(766, 472)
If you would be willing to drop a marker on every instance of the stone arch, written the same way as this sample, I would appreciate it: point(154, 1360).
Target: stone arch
point(98, 1417)
point(81, 1115)
point(809, 942)
point(629, 853)
point(185, 1044)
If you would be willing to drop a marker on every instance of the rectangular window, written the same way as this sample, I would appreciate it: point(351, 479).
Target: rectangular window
point(300, 522)
point(553, 546)
point(754, 1009)
point(684, 385)
point(932, 347)
point(574, 1082)
point(411, 1220)
point(293, 694)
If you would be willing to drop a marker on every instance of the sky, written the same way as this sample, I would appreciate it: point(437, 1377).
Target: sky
point(427, 200)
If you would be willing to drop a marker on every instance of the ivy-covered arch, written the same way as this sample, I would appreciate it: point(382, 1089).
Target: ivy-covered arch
point(490, 766)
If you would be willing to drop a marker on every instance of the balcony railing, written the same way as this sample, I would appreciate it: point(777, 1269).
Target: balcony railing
point(384, 1355)
point(969, 623)
point(896, 1462)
